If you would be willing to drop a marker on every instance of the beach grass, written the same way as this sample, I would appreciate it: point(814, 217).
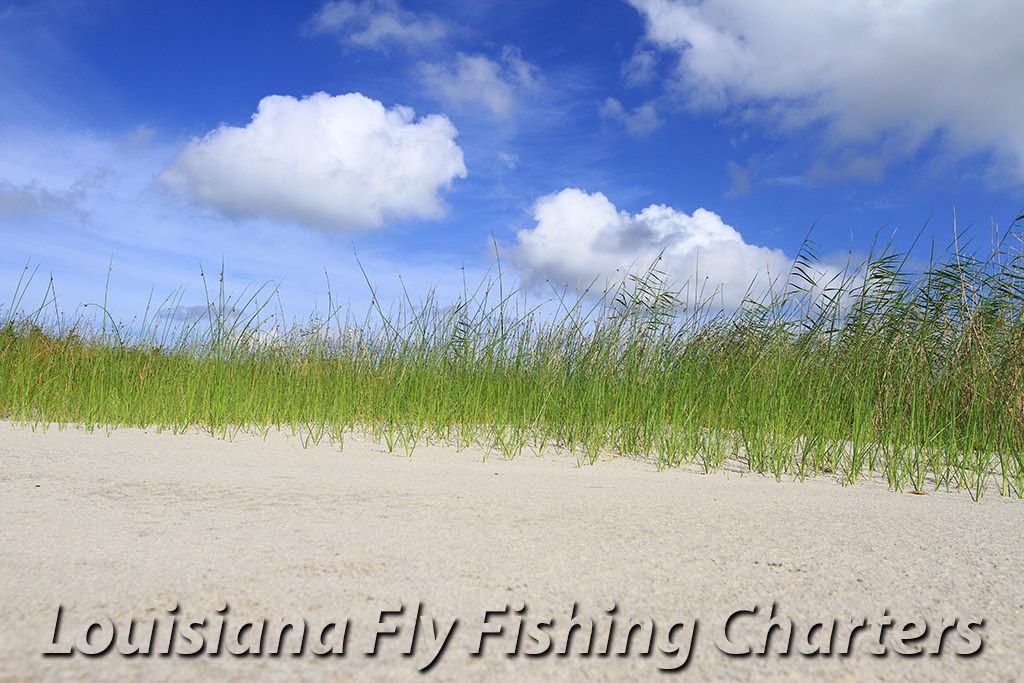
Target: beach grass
point(877, 369)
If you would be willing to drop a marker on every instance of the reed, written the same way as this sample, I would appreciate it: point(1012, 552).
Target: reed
point(873, 370)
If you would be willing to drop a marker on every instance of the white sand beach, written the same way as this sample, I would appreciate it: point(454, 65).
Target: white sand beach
point(130, 524)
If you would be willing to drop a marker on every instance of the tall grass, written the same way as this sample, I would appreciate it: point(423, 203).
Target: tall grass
point(875, 370)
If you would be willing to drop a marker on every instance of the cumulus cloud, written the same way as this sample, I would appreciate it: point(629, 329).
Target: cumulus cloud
point(641, 121)
point(378, 24)
point(336, 162)
point(579, 237)
point(476, 80)
point(870, 71)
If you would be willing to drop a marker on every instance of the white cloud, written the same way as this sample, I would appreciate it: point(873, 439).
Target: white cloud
point(579, 237)
point(870, 70)
point(476, 80)
point(343, 162)
point(378, 24)
point(641, 121)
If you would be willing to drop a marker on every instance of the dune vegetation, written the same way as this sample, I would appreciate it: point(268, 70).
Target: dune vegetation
point(881, 369)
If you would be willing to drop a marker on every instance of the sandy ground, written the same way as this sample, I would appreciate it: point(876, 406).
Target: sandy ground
point(131, 524)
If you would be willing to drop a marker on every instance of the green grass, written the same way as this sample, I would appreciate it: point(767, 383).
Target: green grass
point(880, 370)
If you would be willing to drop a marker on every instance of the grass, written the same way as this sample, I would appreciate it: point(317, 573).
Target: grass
point(875, 370)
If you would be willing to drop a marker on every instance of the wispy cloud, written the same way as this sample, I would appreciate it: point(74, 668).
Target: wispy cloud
point(32, 198)
point(740, 179)
point(640, 121)
point(378, 24)
point(640, 69)
point(479, 81)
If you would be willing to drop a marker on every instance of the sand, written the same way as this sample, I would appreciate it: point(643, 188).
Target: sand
point(132, 524)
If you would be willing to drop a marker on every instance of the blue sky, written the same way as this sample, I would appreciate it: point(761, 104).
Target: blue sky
point(584, 137)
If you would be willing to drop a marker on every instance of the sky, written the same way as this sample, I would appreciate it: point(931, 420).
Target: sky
point(577, 140)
